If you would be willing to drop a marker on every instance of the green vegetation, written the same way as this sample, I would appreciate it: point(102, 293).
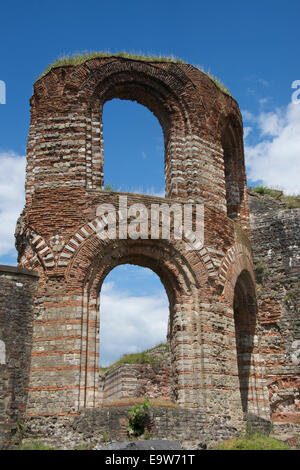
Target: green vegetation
point(260, 271)
point(292, 201)
point(253, 442)
point(105, 436)
point(143, 357)
point(264, 190)
point(76, 59)
point(109, 187)
point(218, 83)
point(294, 293)
point(34, 445)
point(137, 418)
point(216, 80)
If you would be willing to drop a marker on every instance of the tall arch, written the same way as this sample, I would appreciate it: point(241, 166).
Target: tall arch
point(182, 288)
point(245, 318)
point(234, 170)
point(159, 91)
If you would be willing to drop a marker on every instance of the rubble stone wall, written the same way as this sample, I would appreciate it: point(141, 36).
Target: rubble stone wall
point(152, 379)
point(276, 248)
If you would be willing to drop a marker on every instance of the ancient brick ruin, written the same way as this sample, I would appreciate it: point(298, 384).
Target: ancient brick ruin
point(220, 366)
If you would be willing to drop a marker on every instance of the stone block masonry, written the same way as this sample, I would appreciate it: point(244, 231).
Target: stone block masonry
point(138, 380)
point(17, 291)
point(276, 248)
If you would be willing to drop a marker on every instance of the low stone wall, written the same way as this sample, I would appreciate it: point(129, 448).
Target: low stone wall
point(135, 380)
point(138, 380)
point(17, 287)
point(94, 426)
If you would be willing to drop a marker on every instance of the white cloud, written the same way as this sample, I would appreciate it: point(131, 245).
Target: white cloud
point(272, 123)
point(247, 131)
point(12, 180)
point(275, 159)
point(263, 82)
point(130, 323)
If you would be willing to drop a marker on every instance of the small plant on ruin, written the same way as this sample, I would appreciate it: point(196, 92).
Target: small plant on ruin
point(35, 445)
point(109, 187)
point(137, 418)
point(291, 200)
point(105, 437)
point(261, 272)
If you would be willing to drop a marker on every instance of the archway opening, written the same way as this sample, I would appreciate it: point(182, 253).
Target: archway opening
point(133, 143)
point(245, 311)
point(234, 172)
point(134, 350)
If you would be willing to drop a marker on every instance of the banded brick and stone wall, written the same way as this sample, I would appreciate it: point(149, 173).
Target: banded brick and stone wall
point(135, 380)
point(216, 364)
point(17, 290)
point(94, 426)
point(150, 379)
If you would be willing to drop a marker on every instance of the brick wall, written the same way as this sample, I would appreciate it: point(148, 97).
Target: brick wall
point(57, 236)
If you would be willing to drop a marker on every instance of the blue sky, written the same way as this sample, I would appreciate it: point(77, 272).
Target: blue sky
point(253, 48)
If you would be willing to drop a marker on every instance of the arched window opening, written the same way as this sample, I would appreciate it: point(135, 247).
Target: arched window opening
point(245, 324)
point(134, 352)
point(133, 145)
point(234, 173)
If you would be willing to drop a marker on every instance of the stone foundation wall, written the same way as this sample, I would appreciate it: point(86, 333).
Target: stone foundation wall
point(17, 288)
point(94, 426)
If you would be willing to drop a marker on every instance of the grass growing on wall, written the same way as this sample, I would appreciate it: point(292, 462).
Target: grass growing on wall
point(143, 357)
point(35, 445)
point(77, 59)
point(292, 200)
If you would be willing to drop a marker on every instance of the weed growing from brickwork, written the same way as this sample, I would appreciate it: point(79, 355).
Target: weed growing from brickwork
point(137, 418)
point(77, 59)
